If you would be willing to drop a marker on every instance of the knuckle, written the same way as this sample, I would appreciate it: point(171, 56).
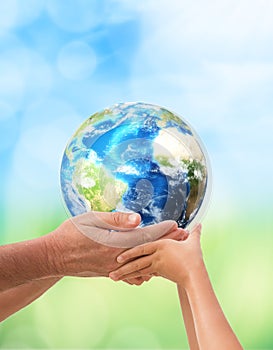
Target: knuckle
point(116, 218)
point(143, 250)
point(136, 266)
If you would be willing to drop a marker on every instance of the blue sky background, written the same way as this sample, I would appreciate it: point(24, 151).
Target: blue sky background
point(209, 61)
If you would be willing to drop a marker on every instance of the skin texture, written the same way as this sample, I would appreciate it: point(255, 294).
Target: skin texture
point(182, 262)
point(29, 268)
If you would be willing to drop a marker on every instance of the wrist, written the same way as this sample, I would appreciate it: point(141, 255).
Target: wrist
point(55, 249)
point(186, 279)
point(24, 262)
point(69, 252)
point(196, 276)
point(45, 257)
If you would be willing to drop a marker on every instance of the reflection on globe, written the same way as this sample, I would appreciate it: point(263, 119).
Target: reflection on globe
point(136, 157)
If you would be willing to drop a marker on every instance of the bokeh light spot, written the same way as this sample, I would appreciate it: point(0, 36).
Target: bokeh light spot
point(8, 13)
point(77, 61)
point(140, 338)
point(75, 16)
point(9, 126)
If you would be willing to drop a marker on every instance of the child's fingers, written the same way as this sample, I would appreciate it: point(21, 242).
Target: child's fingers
point(128, 281)
point(196, 231)
point(133, 266)
point(141, 273)
point(147, 278)
point(134, 281)
point(136, 252)
point(177, 235)
point(185, 235)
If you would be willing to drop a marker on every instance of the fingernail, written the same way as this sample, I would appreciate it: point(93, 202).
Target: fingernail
point(120, 259)
point(133, 218)
point(112, 276)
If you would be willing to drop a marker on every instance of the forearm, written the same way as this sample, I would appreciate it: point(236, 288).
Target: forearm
point(188, 318)
point(212, 328)
point(14, 299)
point(26, 261)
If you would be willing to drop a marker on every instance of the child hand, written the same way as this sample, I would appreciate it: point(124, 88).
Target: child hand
point(167, 258)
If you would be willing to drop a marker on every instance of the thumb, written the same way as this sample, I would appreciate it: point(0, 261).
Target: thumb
point(109, 220)
point(119, 220)
point(99, 227)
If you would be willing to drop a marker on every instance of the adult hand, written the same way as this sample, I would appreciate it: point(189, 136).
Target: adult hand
point(29, 268)
point(72, 253)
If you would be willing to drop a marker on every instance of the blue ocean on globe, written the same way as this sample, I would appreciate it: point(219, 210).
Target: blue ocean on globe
point(136, 157)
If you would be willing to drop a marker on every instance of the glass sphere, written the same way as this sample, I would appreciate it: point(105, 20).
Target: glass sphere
point(136, 157)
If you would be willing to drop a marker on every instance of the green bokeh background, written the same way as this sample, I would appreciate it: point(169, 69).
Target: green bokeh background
point(101, 314)
point(61, 61)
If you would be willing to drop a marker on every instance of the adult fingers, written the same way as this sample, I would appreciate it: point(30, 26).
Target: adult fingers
point(99, 227)
point(150, 233)
point(108, 220)
point(178, 235)
point(119, 220)
point(135, 237)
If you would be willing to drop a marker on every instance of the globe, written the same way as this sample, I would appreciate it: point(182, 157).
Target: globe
point(136, 157)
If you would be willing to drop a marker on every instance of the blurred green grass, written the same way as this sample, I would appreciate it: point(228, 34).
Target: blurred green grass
point(100, 314)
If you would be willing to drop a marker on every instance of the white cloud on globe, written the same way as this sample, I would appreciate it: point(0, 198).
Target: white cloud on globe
point(219, 72)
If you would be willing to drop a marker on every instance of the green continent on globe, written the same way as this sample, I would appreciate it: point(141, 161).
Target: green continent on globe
point(164, 161)
point(136, 157)
point(166, 116)
point(99, 190)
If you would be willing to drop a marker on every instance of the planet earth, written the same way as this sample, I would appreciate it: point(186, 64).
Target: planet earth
point(136, 157)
